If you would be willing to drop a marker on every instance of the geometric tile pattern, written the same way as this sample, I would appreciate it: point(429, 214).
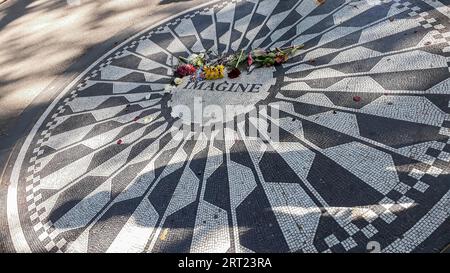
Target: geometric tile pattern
point(106, 170)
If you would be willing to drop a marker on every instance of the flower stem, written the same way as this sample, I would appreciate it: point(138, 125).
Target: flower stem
point(292, 48)
point(183, 59)
point(239, 59)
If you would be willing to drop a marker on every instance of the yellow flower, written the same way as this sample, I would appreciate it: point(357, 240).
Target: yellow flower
point(214, 72)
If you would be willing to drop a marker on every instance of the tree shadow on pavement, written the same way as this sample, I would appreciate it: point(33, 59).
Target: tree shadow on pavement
point(45, 44)
point(165, 2)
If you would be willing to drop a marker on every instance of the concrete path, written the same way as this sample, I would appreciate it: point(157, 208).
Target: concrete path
point(351, 151)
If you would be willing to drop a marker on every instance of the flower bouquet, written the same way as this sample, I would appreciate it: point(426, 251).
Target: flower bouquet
point(208, 66)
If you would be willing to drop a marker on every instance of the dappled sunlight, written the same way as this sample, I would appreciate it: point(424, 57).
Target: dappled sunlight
point(41, 39)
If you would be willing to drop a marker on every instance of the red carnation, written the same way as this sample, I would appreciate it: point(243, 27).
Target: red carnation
point(185, 69)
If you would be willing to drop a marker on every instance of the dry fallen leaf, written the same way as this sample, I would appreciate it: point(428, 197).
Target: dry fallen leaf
point(163, 235)
point(320, 2)
point(147, 119)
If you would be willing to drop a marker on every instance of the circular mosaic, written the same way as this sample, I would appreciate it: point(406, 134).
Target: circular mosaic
point(360, 156)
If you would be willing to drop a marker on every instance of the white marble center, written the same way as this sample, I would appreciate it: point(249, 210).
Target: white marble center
point(222, 99)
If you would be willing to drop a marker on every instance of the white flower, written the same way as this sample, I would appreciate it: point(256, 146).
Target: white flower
point(192, 58)
point(178, 81)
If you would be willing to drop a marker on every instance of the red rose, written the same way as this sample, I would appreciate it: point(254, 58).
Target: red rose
point(234, 73)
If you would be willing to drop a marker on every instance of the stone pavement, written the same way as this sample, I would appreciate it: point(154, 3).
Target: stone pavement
point(361, 162)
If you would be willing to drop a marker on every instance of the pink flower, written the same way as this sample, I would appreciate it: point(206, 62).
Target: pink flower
point(281, 58)
point(249, 59)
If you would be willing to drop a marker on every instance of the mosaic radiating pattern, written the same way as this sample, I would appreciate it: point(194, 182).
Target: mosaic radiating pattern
point(342, 174)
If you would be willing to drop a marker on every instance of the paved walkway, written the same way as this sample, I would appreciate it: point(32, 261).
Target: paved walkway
point(360, 157)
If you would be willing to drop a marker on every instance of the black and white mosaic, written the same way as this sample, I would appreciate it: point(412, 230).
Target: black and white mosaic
point(342, 174)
